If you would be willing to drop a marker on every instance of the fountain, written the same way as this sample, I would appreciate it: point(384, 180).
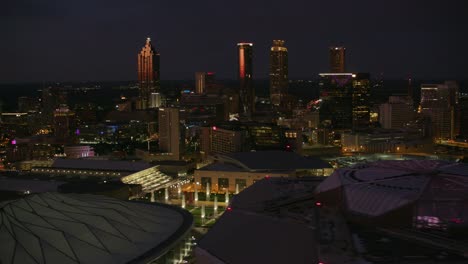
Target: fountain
point(183, 200)
point(179, 189)
point(203, 211)
point(152, 197)
point(166, 194)
point(226, 199)
point(196, 194)
point(207, 191)
point(215, 207)
point(237, 188)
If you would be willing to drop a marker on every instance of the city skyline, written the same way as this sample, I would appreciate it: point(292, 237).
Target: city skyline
point(395, 39)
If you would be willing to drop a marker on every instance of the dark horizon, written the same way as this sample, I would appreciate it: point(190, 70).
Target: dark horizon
point(98, 41)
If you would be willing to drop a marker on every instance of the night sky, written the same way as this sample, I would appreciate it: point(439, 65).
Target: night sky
point(75, 40)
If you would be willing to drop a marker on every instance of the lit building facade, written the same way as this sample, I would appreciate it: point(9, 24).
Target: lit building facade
point(246, 89)
point(64, 123)
point(345, 100)
point(398, 112)
point(148, 73)
point(169, 131)
point(337, 59)
point(278, 72)
point(439, 102)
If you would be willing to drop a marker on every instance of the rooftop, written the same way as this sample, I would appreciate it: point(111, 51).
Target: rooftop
point(273, 160)
point(92, 164)
point(78, 228)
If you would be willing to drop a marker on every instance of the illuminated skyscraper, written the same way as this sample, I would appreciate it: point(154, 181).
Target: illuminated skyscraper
point(439, 102)
point(200, 82)
point(337, 59)
point(278, 72)
point(148, 73)
point(204, 82)
point(246, 89)
point(345, 100)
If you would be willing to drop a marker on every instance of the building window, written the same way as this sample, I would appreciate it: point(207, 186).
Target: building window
point(205, 180)
point(223, 183)
point(242, 183)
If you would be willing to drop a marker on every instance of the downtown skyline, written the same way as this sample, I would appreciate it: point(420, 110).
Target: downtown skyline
point(78, 42)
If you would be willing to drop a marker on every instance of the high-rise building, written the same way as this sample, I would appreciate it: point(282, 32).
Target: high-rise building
point(464, 116)
point(169, 131)
point(148, 73)
point(337, 59)
point(361, 96)
point(64, 123)
point(246, 89)
point(200, 82)
point(398, 112)
point(345, 100)
point(439, 102)
point(278, 72)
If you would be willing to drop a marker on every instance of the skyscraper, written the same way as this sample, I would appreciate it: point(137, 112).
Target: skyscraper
point(246, 89)
point(439, 102)
point(169, 131)
point(200, 82)
point(345, 100)
point(278, 72)
point(337, 59)
point(148, 73)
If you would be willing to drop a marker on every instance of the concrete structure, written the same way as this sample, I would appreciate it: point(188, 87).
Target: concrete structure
point(245, 168)
point(278, 73)
point(148, 73)
point(78, 228)
point(269, 222)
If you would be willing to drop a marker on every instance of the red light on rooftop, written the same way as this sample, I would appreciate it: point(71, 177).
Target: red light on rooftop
point(215, 128)
point(267, 177)
point(318, 203)
point(229, 208)
point(13, 142)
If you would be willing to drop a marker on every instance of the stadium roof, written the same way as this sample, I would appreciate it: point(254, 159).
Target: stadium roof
point(111, 165)
point(79, 228)
point(272, 160)
point(376, 188)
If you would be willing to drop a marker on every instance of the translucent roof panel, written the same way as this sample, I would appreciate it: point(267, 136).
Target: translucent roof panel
point(377, 188)
point(81, 228)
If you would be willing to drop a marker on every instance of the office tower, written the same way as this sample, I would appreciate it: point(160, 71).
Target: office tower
point(278, 72)
point(64, 123)
point(439, 102)
point(155, 100)
point(148, 73)
point(200, 82)
point(361, 96)
point(205, 83)
point(246, 89)
point(337, 59)
point(169, 131)
point(464, 116)
point(345, 100)
point(398, 112)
